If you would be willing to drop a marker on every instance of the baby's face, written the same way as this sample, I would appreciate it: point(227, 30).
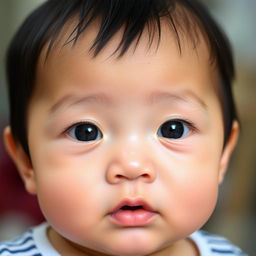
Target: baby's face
point(144, 130)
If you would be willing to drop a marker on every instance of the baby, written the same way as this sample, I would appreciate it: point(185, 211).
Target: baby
point(122, 124)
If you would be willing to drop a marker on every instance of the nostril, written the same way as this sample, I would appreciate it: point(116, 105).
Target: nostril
point(129, 177)
point(118, 173)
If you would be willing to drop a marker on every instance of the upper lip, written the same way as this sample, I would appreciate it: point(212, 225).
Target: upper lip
point(133, 202)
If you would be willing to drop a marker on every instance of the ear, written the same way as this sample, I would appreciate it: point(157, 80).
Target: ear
point(21, 160)
point(227, 152)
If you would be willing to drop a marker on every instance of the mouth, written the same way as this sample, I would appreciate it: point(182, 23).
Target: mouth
point(131, 213)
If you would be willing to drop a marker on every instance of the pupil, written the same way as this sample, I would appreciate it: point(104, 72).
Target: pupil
point(173, 130)
point(86, 132)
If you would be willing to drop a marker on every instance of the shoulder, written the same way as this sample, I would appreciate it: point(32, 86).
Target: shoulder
point(210, 244)
point(21, 245)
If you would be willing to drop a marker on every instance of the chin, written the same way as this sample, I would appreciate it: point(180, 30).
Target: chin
point(132, 251)
point(134, 247)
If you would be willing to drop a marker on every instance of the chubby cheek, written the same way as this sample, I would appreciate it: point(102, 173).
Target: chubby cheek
point(190, 189)
point(190, 205)
point(69, 194)
point(199, 203)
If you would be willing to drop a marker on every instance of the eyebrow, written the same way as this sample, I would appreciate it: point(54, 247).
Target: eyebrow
point(184, 96)
point(103, 99)
point(72, 100)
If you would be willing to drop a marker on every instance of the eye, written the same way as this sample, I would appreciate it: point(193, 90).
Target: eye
point(85, 132)
point(174, 129)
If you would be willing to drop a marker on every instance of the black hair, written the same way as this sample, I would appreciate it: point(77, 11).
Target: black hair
point(45, 23)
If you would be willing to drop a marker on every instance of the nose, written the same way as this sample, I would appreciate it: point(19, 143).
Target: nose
point(130, 166)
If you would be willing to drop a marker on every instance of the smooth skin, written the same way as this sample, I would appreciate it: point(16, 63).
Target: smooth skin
point(129, 98)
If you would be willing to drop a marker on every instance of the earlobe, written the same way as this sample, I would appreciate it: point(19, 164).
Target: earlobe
point(21, 160)
point(229, 148)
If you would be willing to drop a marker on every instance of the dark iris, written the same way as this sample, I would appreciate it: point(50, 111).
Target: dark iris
point(86, 132)
point(172, 130)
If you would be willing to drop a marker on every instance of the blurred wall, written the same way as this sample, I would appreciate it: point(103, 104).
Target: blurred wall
point(236, 210)
point(12, 12)
point(235, 214)
point(18, 210)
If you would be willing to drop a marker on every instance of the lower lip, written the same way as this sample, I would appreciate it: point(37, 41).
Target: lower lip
point(130, 218)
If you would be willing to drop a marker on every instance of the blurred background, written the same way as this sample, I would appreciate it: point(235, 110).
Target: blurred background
point(235, 214)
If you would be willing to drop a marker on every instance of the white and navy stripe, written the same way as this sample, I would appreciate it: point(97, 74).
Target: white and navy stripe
point(220, 246)
point(23, 245)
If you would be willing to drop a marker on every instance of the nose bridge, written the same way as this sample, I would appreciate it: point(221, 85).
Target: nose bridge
point(131, 160)
point(133, 152)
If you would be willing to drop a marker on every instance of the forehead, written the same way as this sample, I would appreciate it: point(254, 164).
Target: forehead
point(145, 70)
point(167, 52)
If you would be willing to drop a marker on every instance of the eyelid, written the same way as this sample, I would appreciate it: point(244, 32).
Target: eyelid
point(86, 121)
point(65, 131)
point(185, 121)
point(72, 134)
point(192, 128)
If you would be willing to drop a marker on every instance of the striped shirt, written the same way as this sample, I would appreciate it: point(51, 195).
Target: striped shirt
point(212, 245)
point(34, 242)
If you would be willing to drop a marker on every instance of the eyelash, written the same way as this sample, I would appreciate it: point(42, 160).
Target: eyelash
point(190, 126)
point(76, 124)
point(187, 122)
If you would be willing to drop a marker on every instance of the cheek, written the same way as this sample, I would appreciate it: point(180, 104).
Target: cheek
point(69, 191)
point(198, 201)
point(191, 189)
point(72, 205)
point(190, 204)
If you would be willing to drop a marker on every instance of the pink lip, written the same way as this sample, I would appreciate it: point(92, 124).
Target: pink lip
point(141, 214)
